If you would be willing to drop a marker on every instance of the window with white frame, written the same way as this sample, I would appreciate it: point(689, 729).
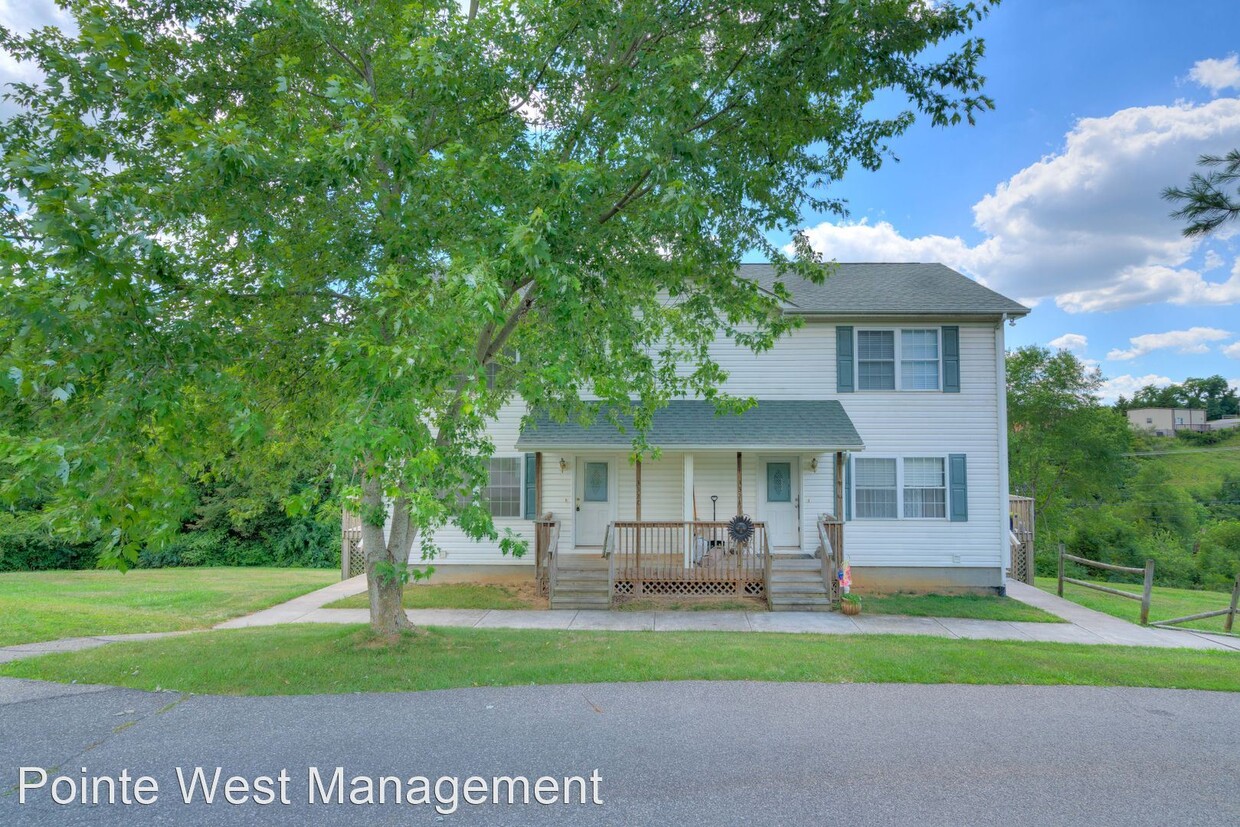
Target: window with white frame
point(906, 358)
point(876, 360)
point(925, 487)
point(503, 491)
point(891, 488)
point(919, 360)
point(875, 488)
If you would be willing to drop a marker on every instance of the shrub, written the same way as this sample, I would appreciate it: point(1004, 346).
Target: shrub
point(1218, 559)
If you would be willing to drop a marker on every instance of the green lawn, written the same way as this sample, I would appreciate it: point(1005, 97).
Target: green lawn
point(46, 605)
point(1164, 603)
point(454, 596)
point(976, 606)
point(314, 658)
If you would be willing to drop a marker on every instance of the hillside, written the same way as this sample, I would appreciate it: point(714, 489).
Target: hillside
point(1197, 469)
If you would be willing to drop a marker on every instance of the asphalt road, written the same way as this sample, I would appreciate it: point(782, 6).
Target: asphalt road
point(667, 754)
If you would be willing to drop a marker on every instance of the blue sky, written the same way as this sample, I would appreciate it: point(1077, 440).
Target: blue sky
point(1053, 198)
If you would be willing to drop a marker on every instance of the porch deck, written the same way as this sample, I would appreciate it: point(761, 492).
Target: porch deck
point(693, 558)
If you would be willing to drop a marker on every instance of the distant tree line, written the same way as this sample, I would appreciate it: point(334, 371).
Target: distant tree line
point(1212, 394)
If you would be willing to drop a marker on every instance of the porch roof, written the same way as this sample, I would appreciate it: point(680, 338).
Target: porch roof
point(687, 424)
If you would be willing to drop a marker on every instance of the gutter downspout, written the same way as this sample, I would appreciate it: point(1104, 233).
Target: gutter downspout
point(1005, 553)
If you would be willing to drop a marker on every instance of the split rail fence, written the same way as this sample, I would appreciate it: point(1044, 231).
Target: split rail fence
point(1147, 585)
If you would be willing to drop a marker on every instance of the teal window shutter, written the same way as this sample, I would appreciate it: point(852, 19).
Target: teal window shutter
point(958, 480)
point(951, 359)
point(844, 359)
point(531, 487)
point(848, 487)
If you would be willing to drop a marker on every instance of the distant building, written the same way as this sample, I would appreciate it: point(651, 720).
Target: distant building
point(1166, 421)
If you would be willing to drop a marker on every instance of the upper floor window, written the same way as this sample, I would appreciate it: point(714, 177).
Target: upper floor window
point(907, 358)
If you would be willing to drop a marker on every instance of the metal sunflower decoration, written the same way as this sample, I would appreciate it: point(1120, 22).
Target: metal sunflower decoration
point(740, 529)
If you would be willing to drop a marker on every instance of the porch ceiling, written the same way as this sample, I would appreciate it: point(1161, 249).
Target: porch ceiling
point(817, 425)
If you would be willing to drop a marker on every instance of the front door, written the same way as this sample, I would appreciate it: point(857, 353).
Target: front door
point(594, 501)
point(780, 500)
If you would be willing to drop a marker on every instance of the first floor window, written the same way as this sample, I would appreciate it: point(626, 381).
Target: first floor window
point(503, 491)
point(876, 488)
point(925, 487)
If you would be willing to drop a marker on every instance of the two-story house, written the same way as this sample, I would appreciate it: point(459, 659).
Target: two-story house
point(879, 436)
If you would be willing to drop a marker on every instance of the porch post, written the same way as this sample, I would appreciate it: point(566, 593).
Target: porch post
point(637, 540)
point(690, 507)
point(839, 485)
point(740, 501)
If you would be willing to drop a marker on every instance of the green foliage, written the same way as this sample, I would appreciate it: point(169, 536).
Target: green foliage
point(266, 241)
point(1211, 199)
point(1064, 445)
point(1204, 437)
point(28, 550)
point(1219, 555)
point(1211, 394)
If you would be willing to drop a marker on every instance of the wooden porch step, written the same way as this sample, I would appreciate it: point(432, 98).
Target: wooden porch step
point(796, 585)
point(817, 604)
point(582, 581)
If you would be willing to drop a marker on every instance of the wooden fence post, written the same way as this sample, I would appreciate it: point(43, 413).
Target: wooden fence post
point(1061, 569)
point(1231, 612)
point(1145, 592)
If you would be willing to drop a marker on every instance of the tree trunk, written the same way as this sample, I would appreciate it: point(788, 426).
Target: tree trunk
point(383, 558)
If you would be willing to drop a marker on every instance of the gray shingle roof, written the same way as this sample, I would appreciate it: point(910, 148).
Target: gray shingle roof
point(686, 423)
point(891, 290)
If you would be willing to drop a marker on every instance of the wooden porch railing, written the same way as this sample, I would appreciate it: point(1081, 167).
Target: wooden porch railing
point(686, 552)
point(831, 552)
point(546, 551)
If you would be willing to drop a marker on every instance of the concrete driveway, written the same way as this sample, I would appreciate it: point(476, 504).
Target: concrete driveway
point(672, 753)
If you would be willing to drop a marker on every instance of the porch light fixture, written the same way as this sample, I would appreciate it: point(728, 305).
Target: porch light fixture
point(813, 463)
point(563, 465)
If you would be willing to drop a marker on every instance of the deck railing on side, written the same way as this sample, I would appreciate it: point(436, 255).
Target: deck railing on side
point(687, 552)
point(546, 551)
point(831, 552)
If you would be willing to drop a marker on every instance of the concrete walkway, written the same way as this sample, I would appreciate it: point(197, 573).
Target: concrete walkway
point(1082, 626)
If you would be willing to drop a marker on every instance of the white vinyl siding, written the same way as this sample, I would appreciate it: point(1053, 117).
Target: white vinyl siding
point(802, 365)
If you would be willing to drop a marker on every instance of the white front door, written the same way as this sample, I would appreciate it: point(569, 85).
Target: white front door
point(595, 498)
point(779, 501)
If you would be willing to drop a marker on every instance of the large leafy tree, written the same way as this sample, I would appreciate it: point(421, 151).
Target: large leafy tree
point(1065, 446)
point(265, 233)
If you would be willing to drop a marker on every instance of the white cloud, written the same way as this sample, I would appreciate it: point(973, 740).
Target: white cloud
point(1086, 225)
point(1127, 385)
point(1217, 74)
point(1070, 341)
point(1232, 350)
point(1192, 340)
point(1213, 261)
